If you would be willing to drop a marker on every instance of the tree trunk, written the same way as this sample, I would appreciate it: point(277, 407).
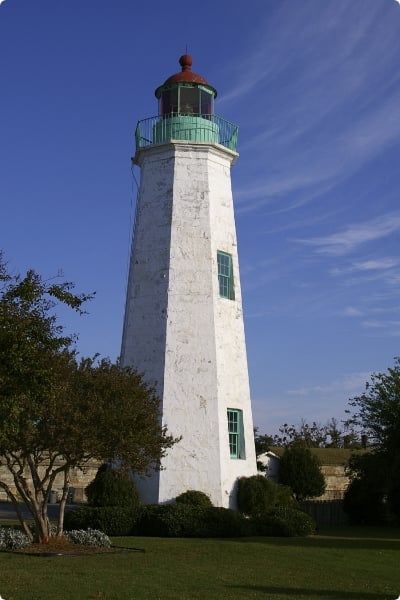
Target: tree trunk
point(17, 509)
point(63, 502)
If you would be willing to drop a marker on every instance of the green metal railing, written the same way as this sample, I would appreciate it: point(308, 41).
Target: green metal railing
point(195, 128)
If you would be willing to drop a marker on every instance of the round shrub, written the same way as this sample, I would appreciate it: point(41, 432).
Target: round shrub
point(13, 539)
point(112, 520)
point(112, 487)
point(287, 522)
point(298, 522)
point(89, 537)
point(194, 498)
point(258, 495)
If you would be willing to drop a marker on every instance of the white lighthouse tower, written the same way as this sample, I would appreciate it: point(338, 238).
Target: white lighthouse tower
point(183, 326)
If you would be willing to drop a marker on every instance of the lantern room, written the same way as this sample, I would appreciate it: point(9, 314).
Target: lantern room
point(186, 113)
point(186, 93)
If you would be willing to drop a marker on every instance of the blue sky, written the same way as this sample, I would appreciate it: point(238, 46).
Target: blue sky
point(315, 88)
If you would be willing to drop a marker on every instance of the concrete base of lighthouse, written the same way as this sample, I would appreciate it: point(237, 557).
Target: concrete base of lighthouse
point(185, 338)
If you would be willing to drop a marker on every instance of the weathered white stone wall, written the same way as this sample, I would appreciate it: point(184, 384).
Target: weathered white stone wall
point(178, 331)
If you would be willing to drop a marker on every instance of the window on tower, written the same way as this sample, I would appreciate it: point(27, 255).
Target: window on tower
point(186, 100)
point(225, 275)
point(206, 100)
point(189, 101)
point(235, 433)
point(169, 102)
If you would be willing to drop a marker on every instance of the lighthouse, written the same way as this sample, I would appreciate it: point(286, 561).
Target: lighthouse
point(183, 327)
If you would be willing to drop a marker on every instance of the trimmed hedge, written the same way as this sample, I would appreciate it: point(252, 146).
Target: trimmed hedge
point(182, 520)
point(112, 520)
point(168, 520)
point(223, 522)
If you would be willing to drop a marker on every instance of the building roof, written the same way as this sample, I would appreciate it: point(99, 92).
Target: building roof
point(326, 456)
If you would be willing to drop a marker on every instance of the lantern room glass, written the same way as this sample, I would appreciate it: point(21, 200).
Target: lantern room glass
point(186, 100)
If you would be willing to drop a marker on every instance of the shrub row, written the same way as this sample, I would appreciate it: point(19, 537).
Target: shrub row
point(184, 520)
point(112, 520)
point(265, 508)
point(180, 520)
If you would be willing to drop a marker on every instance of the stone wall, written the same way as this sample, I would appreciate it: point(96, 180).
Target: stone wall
point(80, 478)
point(333, 461)
point(336, 481)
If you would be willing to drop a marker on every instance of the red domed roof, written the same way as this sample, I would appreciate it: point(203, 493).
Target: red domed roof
point(185, 76)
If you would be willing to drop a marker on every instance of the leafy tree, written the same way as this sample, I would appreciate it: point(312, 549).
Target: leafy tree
point(56, 413)
point(262, 442)
point(310, 435)
point(300, 470)
point(307, 435)
point(377, 413)
point(366, 499)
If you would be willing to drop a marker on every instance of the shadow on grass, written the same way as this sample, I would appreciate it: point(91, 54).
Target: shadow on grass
point(360, 538)
point(307, 593)
point(325, 542)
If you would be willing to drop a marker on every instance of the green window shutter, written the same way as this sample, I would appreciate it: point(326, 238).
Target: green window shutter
point(225, 275)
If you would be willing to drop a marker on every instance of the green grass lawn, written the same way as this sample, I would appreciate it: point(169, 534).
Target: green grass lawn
point(350, 564)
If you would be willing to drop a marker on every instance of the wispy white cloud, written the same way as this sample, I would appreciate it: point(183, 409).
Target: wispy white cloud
point(331, 113)
point(317, 403)
point(377, 324)
point(356, 235)
point(350, 384)
point(302, 35)
point(383, 269)
point(351, 311)
point(379, 264)
point(332, 158)
point(388, 327)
